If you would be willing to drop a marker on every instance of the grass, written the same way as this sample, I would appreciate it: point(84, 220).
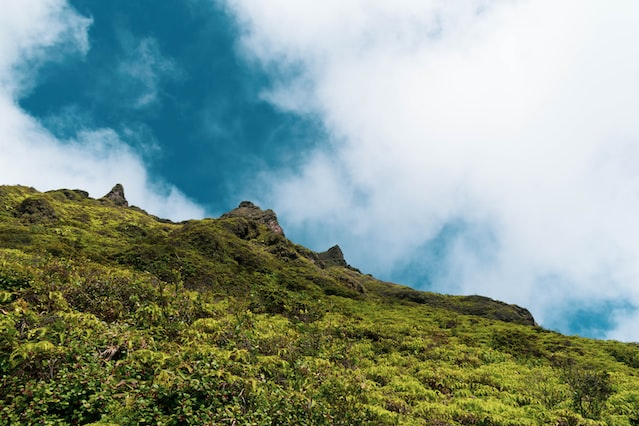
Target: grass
point(112, 316)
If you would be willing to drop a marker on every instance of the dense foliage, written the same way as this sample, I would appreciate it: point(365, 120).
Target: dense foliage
point(111, 316)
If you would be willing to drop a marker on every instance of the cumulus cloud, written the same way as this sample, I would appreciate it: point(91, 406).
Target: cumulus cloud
point(493, 145)
point(35, 31)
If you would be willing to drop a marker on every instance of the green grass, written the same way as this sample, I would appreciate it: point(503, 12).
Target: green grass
point(111, 316)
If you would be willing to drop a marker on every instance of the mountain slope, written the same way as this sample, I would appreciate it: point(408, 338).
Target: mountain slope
point(110, 314)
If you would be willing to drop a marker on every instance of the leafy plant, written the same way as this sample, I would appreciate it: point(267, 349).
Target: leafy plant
point(111, 316)
point(590, 389)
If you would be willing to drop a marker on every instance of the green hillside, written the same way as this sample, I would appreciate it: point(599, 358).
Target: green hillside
point(109, 315)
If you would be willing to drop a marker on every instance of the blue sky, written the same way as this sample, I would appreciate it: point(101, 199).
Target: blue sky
point(167, 77)
point(480, 147)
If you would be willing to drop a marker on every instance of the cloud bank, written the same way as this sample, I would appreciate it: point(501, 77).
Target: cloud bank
point(485, 147)
point(33, 32)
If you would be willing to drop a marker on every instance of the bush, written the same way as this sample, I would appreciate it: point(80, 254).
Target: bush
point(36, 210)
point(590, 389)
point(516, 342)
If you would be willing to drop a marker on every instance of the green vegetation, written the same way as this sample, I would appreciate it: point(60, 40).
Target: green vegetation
point(111, 316)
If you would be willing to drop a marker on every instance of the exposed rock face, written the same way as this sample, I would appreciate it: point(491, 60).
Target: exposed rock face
point(249, 210)
point(116, 196)
point(333, 257)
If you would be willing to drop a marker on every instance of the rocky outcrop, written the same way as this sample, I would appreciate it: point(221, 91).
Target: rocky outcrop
point(116, 196)
point(333, 257)
point(249, 210)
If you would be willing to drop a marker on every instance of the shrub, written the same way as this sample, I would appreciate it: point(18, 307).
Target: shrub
point(36, 210)
point(590, 388)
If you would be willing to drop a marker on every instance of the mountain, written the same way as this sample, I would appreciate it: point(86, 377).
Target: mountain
point(110, 315)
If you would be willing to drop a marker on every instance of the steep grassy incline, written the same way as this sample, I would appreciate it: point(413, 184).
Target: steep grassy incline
point(108, 314)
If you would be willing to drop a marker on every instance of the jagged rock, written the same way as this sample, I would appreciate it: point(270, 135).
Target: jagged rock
point(116, 196)
point(249, 210)
point(333, 257)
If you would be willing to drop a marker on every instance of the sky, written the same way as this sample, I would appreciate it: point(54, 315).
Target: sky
point(471, 147)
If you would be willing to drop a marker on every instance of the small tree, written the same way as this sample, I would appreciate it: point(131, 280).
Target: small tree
point(590, 389)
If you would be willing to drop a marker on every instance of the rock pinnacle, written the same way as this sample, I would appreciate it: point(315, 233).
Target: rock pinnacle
point(116, 196)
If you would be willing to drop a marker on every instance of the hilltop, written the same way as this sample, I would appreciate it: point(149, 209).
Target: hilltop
point(112, 315)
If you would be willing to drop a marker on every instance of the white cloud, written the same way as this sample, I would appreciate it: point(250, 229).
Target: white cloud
point(28, 31)
point(35, 31)
point(515, 118)
point(142, 70)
